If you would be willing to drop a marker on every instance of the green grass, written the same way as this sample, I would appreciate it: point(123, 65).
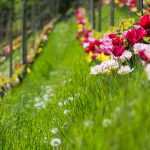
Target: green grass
point(108, 112)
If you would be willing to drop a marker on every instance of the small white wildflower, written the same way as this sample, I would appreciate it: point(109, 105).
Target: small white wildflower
point(55, 130)
point(37, 105)
point(70, 99)
point(147, 70)
point(55, 142)
point(65, 102)
point(40, 105)
point(106, 123)
point(60, 104)
point(125, 70)
point(37, 99)
point(45, 97)
point(88, 123)
point(66, 112)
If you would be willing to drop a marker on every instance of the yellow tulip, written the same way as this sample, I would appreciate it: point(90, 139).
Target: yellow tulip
point(102, 57)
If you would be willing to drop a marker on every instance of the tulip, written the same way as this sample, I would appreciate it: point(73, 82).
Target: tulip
point(145, 22)
point(135, 35)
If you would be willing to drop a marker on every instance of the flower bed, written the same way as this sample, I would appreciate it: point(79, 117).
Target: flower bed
point(20, 69)
point(119, 49)
point(131, 4)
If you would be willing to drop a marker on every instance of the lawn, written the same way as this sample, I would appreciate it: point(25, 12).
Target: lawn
point(60, 99)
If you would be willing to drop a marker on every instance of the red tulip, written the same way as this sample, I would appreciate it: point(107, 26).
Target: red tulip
point(118, 46)
point(94, 47)
point(112, 35)
point(145, 21)
point(118, 41)
point(118, 50)
point(135, 35)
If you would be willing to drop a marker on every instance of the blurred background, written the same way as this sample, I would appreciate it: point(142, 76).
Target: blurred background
point(22, 23)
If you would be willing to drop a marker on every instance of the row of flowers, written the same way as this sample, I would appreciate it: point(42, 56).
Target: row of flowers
point(20, 69)
point(16, 45)
point(118, 50)
point(131, 4)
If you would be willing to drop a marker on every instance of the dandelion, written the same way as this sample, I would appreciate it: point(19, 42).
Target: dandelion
point(60, 104)
point(65, 102)
point(106, 123)
point(55, 131)
point(70, 99)
point(45, 97)
point(66, 112)
point(55, 142)
point(40, 105)
point(88, 123)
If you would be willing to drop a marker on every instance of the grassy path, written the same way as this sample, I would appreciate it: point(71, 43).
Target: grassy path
point(60, 99)
point(30, 111)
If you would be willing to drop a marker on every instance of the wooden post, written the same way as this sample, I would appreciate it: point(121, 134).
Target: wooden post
point(24, 32)
point(99, 15)
point(10, 44)
point(140, 5)
point(112, 12)
point(92, 10)
point(52, 8)
point(57, 10)
point(1, 29)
